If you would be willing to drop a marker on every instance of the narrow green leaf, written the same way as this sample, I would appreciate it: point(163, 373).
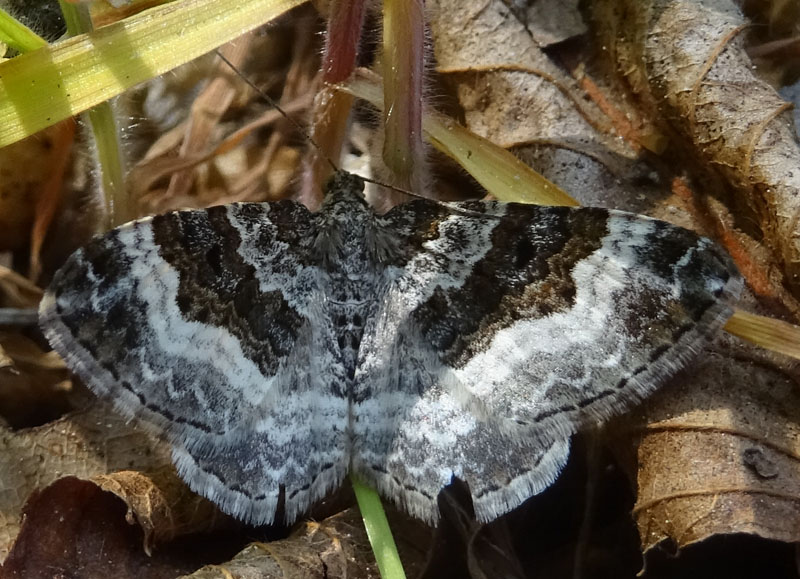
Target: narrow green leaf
point(77, 18)
point(17, 35)
point(378, 531)
point(497, 170)
point(40, 88)
point(103, 123)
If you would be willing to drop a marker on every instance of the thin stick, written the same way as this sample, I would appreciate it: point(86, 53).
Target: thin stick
point(273, 103)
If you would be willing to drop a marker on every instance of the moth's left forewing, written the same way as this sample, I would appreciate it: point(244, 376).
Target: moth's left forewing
point(210, 327)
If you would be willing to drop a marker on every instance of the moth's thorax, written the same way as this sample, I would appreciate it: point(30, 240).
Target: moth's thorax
point(346, 229)
point(347, 226)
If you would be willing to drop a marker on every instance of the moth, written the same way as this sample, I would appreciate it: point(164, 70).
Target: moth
point(279, 350)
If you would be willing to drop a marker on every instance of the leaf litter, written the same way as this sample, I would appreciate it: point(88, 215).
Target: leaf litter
point(654, 109)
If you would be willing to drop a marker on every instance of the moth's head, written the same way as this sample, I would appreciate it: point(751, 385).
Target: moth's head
point(342, 181)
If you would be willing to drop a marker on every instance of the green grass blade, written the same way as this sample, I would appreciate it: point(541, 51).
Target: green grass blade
point(105, 131)
point(76, 17)
point(40, 88)
point(17, 35)
point(378, 531)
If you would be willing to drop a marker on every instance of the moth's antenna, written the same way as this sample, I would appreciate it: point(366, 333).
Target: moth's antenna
point(304, 132)
point(277, 107)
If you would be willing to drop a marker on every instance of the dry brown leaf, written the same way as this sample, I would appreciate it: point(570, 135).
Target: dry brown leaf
point(74, 529)
point(162, 505)
point(720, 451)
point(336, 548)
point(214, 156)
point(87, 527)
point(511, 92)
point(514, 94)
point(687, 61)
point(207, 110)
point(83, 444)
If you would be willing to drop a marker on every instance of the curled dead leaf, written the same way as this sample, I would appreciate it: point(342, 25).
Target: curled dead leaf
point(720, 452)
point(83, 444)
point(162, 505)
point(687, 61)
point(71, 526)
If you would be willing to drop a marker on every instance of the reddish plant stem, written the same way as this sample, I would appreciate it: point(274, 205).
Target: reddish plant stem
point(332, 108)
point(403, 70)
point(341, 45)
